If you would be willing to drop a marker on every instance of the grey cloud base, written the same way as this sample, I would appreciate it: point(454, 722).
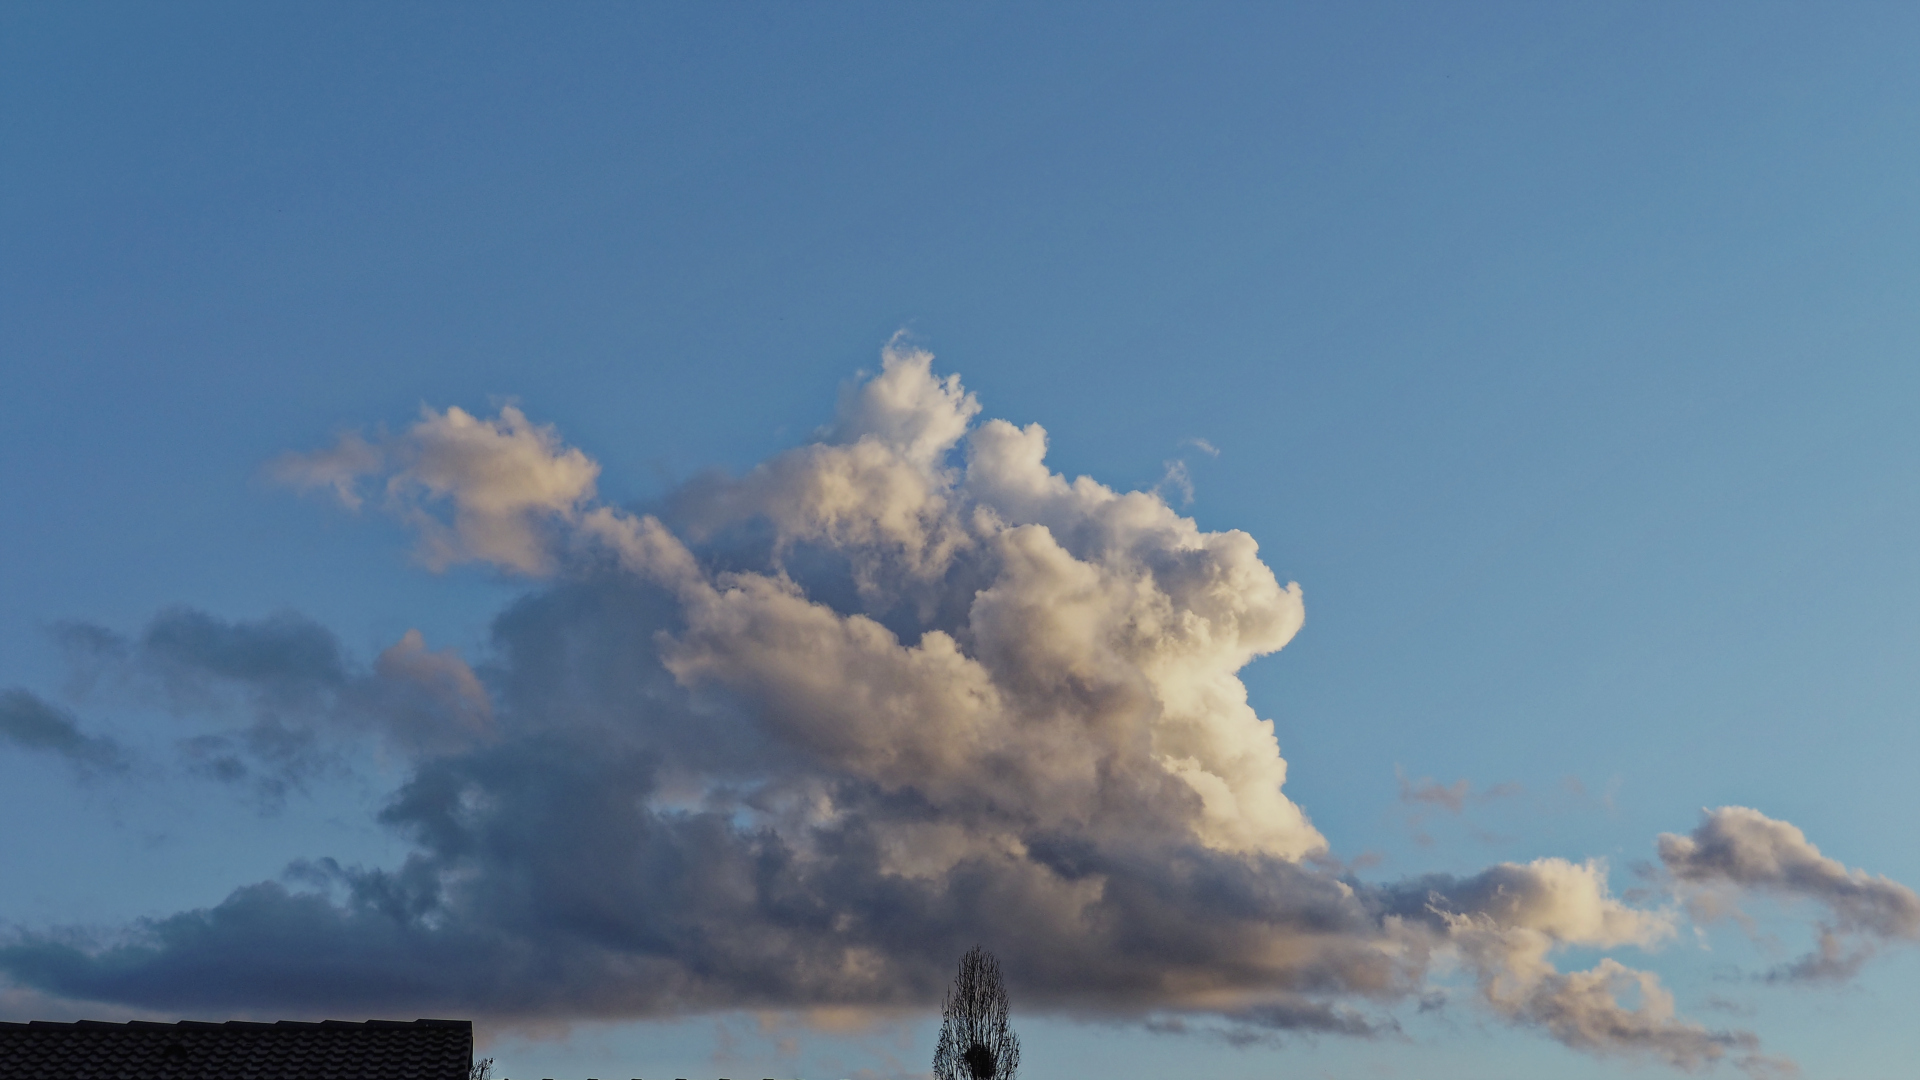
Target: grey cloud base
point(798, 739)
point(550, 880)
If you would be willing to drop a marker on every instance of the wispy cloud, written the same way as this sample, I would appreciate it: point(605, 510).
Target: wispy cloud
point(1453, 798)
point(28, 722)
point(1178, 479)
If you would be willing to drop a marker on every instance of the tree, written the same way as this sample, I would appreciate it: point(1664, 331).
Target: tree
point(975, 1042)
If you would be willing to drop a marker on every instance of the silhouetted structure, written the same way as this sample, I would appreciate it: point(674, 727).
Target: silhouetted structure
point(288, 1050)
point(975, 1042)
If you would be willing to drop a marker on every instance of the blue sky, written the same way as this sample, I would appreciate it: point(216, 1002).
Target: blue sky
point(1561, 354)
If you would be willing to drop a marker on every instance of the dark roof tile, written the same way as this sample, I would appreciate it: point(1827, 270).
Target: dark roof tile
point(237, 1050)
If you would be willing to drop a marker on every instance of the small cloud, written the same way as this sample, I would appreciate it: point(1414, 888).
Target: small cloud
point(1451, 797)
point(1179, 479)
point(1201, 445)
point(472, 489)
point(337, 469)
point(1716, 1003)
point(1736, 848)
point(1505, 923)
point(1269, 1023)
point(30, 723)
point(1454, 797)
point(1333, 864)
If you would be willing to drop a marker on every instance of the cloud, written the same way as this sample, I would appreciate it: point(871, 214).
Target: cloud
point(1450, 797)
point(30, 723)
point(474, 490)
point(1178, 479)
point(1454, 797)
point(1427, 795)
point(1269, 1023)
point(794, 740)
point(1738, 848)
point(338, 468)
point(1505, 923)
point(296, 695)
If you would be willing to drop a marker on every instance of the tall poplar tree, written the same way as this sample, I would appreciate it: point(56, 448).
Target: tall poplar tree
point(975, 1042)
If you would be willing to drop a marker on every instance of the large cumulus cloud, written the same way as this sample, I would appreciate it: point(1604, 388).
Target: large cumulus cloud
point(798, 738)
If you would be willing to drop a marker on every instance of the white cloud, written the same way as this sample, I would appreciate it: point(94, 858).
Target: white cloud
point(506, 483)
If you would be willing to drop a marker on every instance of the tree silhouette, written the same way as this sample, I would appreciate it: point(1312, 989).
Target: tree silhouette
point(975, 1042)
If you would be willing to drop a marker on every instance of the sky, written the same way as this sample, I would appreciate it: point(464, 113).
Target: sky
point(1336, 540)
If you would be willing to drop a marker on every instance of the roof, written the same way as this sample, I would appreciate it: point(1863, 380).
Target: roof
point(238, 1050)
